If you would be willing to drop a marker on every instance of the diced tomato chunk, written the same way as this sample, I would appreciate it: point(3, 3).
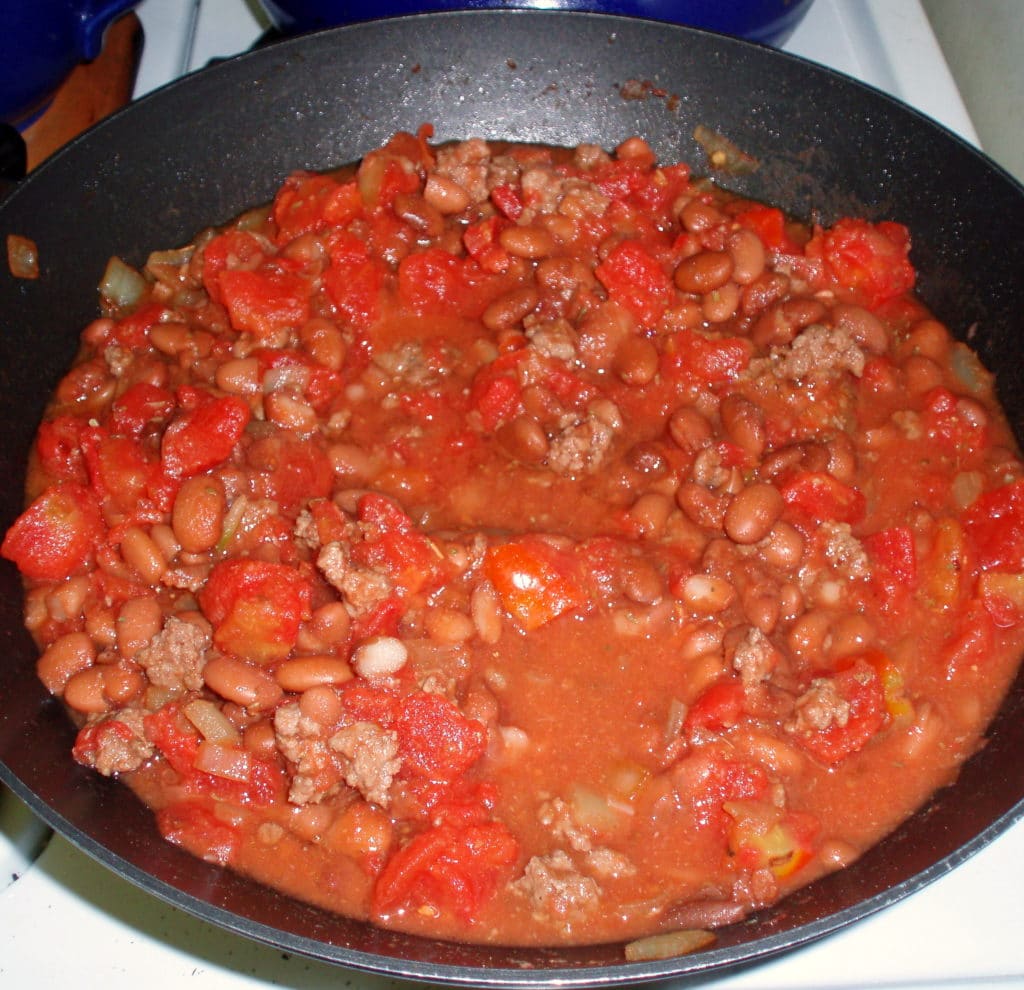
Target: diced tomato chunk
point(256, 607)
point(354, 281)
point(994, 525)
point(265, 300)
point(204, 434)
point(56, 535)
point(308, 203)
point(536, 583)
point(435, 739)
point(859, 689)
point(636, 280)
point(819, 497)
point(196, 828)
point(59, 448)
point(706, 360)
point(431, 280)
point(231, 250)
point(449, 868)
point(396, 546)
point(140, 406)
point(769, 223)
point(719, 707)
point(864, 261)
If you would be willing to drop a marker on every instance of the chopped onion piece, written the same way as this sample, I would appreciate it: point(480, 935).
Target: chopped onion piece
point(212, 724)
point(591, 810)
point(22, 256)
point(669, 944)
point(122, 285)
point(223, 761)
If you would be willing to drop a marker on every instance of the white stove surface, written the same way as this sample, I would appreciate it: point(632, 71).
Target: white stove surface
point(67, 918)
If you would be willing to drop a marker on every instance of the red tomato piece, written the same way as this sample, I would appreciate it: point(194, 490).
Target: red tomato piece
point(536, 582)
point(234, 249)
point(994, 525)
point(769, 224)
point(432, 280)
point(121, 470)
point(354, 281)
point(133, 331)
point(867, 262)
point(256, 608)
point(706, 360)
point(199, 831)
point(203, 435)
point(367, 703)
point(265, 300)
point(819, 497)
point(435, 739)
point(56, 535)
point(141, 405)
point(496, 394)
point(481, 242)
point(972, 641)
point(309, 203)
point(860, 686)
point(59, 448)
point(291, 470)
point(893, 556)
point(396, 546)
point(447, 868)
point(719, 707)
point(636, 280)
point(944, 422)
point(509, 201)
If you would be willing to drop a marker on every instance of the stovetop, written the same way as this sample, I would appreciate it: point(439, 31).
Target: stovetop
point(67, 918)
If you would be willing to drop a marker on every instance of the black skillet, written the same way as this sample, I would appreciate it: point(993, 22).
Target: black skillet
point(213, 144)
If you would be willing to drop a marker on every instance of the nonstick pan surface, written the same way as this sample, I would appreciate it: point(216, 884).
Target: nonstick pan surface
point(211, 145)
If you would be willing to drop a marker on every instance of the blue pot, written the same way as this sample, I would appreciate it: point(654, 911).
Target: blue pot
point(41, 42)
point(768, 21)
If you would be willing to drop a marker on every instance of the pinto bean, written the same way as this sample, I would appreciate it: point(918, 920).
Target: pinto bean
point(527, 242)
point(721, 304)
point(636, 361)
point(508, 310)
point(743, 422)
point(197, 517)
point(524, 438)
point(138, 621)
point(142, 554)
point(862, 325)
point(445, 195)
point(706, 594)
point(748, 256)
point(243, 683)
point(649, 513)
point(240, 376)
point(690, 429)
point(322, 704)
point(703, 272)
point(63, 658)
point(302, 673)
point(697, 216)
point(448, 625)
point(84, 692)
point(702, 506)
point(753, 512)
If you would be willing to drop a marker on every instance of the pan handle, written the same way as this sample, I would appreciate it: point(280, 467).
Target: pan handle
point(13, 159)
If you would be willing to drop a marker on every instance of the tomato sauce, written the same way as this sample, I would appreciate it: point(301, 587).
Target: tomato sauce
point(526, 546)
